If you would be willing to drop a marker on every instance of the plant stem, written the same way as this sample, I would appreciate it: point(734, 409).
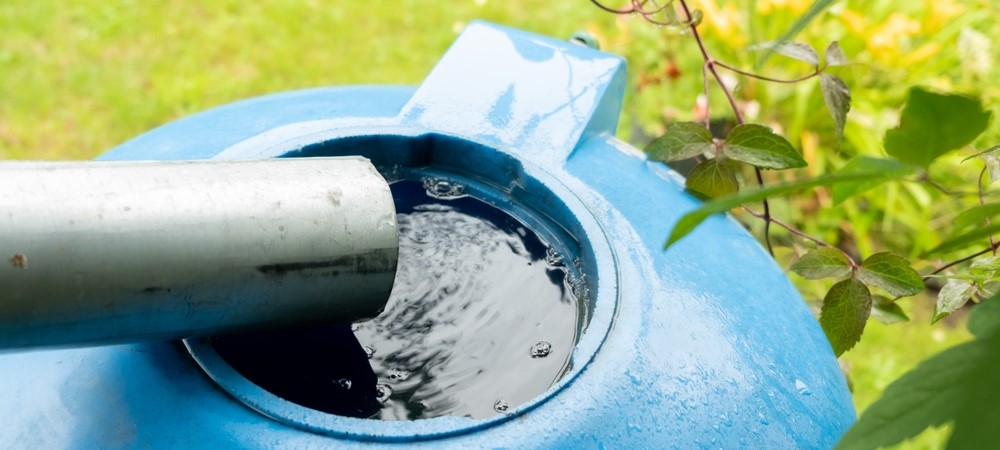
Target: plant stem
point(923, 180)
point(800, 233)
point(612, 10)
point(992, 248)
point(704, 77)
point(710, 63)
point(767, 214)
point(993, 242)
point(773, 80)
point(638, 7)
point(710, 66)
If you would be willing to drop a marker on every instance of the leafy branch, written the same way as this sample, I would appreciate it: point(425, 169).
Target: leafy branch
point(931, 125)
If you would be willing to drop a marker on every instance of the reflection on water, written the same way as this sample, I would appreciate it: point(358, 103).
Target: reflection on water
point(482, 318)
point(480, 314)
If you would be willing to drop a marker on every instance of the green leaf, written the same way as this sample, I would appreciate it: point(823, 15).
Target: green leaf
point(681, 140)
point(957, 385)
point(758, 145)
point(937, 391)
point(586, 39)
point(985, 267)
point(673, 19)
point(989, 288)
point(712, 178)
point(814, 11)
point(934, 124)
point(955, 294)
point(837, 97)
point(696, 16)
point(887, 311)
point(984, 320)
point(963, 240)
point(835, 56)
point(991, 160)
point(844, 314)
point(822, 263)
point(992, 166)
point(688, 222)
point(796, 50)
point(892, 273)
point(976, 215)
point(890, 167)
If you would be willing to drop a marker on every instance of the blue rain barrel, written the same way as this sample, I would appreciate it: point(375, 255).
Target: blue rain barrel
point(706, 345)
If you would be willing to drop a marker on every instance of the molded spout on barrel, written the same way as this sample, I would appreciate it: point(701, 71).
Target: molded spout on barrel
point(95, 253)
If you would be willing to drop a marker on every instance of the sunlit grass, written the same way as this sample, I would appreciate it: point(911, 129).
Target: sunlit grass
point(76, 78)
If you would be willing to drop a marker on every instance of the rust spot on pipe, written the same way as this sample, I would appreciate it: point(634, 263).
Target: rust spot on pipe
point(19, 261)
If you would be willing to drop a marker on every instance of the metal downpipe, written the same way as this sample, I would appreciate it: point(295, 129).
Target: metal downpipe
point(96, 253)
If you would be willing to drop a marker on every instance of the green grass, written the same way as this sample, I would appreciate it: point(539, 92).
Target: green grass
point(76, 78)
point(79, 77)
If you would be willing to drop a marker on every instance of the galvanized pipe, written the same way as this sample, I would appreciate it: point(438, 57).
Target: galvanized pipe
point(96, 253)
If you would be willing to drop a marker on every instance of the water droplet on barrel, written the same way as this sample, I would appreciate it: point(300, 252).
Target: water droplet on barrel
point(500, 406)
point(370, 351)
point(802, 388)
point(343, 383)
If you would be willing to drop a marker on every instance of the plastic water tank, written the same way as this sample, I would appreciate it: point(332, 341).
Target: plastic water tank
point(707, 345)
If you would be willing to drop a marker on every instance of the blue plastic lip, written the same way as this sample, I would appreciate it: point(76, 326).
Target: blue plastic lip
point(495, 176)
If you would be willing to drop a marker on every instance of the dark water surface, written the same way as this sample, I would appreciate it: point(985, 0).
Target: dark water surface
point(482, 318)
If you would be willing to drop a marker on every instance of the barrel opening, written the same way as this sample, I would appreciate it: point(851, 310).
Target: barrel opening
point(490, 314)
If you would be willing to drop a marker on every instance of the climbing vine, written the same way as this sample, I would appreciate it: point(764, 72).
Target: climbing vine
point(932, 125)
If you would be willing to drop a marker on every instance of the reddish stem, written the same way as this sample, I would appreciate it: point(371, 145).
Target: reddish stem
point(773, 80)
point(993, 248)
point(993, 241)
point(612, 10)
point(801, 234)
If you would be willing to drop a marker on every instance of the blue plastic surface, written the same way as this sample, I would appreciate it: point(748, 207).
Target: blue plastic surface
point(705, 346)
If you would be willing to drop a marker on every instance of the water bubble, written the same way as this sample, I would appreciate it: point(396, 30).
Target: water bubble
point(578, 285)
point(802, 388)
point(382, 392)
point(343, 383)
point(442, 188)
point(399, 375)
point(541, 349)
point(370, 351)
point(500, 406)
point(552, 258)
